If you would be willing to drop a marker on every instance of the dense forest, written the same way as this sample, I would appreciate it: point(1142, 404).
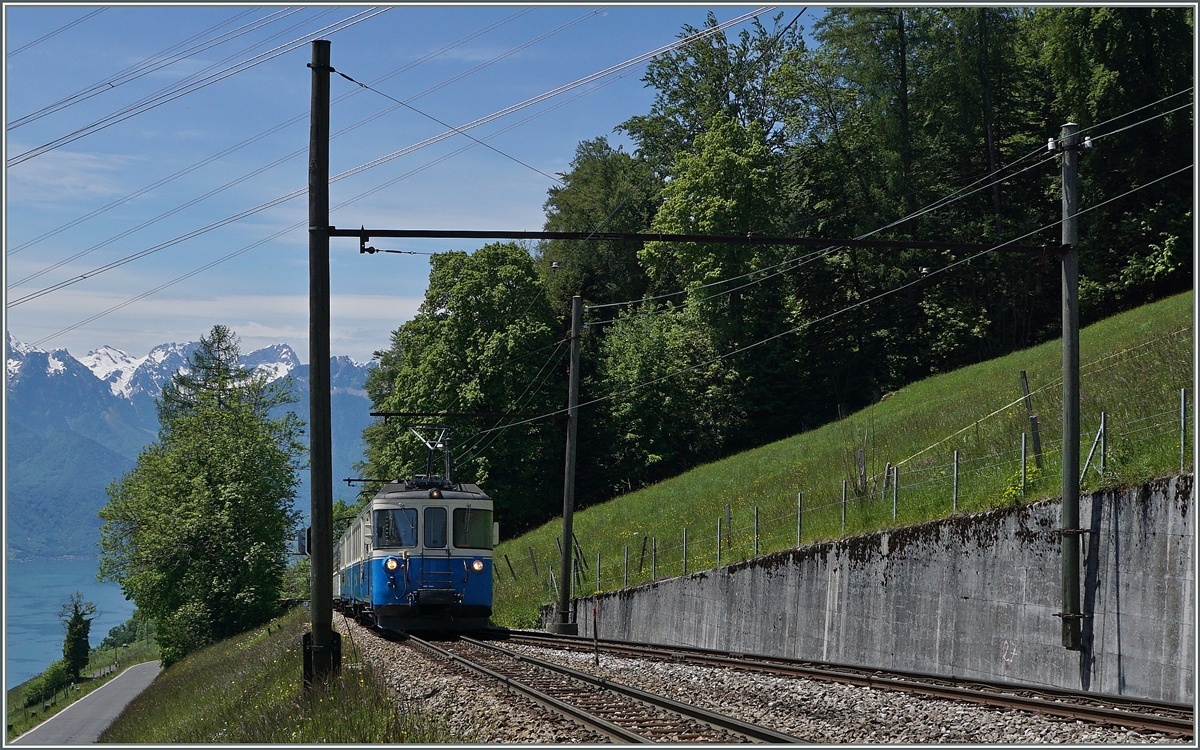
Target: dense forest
point(904, 123)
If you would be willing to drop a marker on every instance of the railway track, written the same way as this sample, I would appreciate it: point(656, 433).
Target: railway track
point(619, 712)
point(1113, 710)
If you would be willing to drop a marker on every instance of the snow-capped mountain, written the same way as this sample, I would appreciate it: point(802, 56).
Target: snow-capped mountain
point(274, 361)
point(83, 421)
point(114, 367)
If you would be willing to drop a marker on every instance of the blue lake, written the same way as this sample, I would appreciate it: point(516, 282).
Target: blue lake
point(34, 594)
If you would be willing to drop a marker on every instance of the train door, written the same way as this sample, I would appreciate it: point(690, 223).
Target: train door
point(435, 551)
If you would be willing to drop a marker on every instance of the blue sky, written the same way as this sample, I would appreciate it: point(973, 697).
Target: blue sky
point(263, 293)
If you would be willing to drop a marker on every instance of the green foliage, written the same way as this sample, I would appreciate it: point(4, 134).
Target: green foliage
point(52, 680)
point(484, 340)
point(676, 420)
point(604, 191)
point(247, 690)
point(197, 533)
point(137, 628)
point(296, 581)
point(891, 123)
point(711, 80)
point(1133, 367)
point(1014, 493)
point(76, 616)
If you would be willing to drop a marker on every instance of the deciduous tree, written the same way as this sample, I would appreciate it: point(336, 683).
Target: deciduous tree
point(197, 533)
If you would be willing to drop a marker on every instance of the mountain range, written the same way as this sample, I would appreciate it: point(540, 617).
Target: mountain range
point(75, 425)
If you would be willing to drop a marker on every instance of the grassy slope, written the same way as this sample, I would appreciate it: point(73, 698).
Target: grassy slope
point(1133, 366)
point(247, 689)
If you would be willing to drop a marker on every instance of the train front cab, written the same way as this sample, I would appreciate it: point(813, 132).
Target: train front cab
point(426, 562)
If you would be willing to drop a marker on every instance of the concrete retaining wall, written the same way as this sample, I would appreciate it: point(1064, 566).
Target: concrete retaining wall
point(971, 596)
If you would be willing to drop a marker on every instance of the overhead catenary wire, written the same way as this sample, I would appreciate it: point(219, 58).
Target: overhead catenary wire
point(156, 62)
point(277, 162)
point(445, 124)
point(300, 224)
point(276, 128)
point(175, 93)
point(606, 73)
point(54, 33)
point(804, 259)
point(847, 308)
point(984, 183)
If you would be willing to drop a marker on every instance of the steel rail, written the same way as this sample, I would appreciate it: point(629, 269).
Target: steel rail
point(1008, 695)
point(595, 723)
point(712, 718)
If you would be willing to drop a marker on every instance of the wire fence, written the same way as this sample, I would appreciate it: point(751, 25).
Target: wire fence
point(931, 486)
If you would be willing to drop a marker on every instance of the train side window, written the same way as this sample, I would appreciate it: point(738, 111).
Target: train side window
point(435, 527)
point(472, 528)
point(396, 527)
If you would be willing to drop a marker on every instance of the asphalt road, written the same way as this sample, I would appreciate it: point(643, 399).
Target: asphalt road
point(82, 722)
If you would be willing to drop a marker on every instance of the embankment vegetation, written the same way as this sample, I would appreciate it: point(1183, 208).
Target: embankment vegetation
point(247, 690)
point(1133, 368)
point(926, 124)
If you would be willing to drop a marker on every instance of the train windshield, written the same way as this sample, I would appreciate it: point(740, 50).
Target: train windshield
point(472, 528)
point(396, 527)
point(435, 527)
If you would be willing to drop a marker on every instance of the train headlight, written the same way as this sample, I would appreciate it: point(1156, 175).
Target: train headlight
point(477, 566)
point(391, 564)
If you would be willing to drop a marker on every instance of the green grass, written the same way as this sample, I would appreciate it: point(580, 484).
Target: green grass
point(247, 689)
point(1133, 367)
point(21, 718)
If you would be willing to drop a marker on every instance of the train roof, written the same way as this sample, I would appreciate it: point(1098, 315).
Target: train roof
point(420, 487)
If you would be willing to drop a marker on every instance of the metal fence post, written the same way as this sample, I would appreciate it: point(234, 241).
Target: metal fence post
point(654, 557)
point(799, 516)
point(895, 488)
point(626, 566)
point(1103, 444)
point(756, 531)
point(954, 500)
point(597, 572)
point(685, 550)
point(843, 507)
point(1024, 438)
point(1182, 429)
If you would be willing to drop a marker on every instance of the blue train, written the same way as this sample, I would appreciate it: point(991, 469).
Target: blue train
point(419, 558)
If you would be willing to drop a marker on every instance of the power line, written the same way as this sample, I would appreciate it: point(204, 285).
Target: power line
point(272, 130)
point(300, 224)
point(549, 366)
point(644, 57)
point(155, 62)
point(178, 92)
point(804, 259)
point(848, 308)
point(56, 32)
point(396, 154)
point(1139, 109)
point(444, 124)
point(247, 176)
point(1189, 105)
point(990, 179)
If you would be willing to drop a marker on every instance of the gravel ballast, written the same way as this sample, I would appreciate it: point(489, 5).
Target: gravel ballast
point(481, 711)
point(477, 710)
point(831, 713)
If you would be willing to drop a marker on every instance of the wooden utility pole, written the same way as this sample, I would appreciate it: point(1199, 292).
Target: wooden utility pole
point(322, 651)
point(564, 624)
point(1071, 614)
